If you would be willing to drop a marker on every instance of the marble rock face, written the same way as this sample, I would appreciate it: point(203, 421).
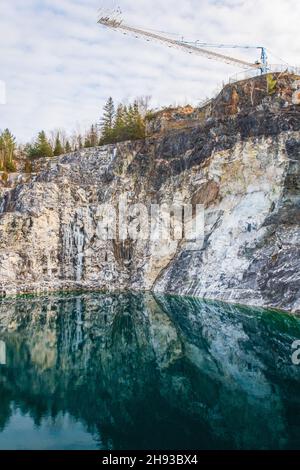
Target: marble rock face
point(243, 167)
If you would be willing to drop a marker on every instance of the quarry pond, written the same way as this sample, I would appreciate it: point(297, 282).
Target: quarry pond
point(146, 371)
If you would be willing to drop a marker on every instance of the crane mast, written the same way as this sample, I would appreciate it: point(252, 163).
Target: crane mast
point(116, 24)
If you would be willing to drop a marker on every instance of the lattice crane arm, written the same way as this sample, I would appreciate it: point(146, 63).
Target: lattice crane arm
point(116, 24)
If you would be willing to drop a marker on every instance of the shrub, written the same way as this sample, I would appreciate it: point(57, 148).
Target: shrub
point(10, 167)
point(4, 177)
point(271, 84)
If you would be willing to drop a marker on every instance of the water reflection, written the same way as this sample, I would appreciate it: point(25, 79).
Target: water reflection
point(129, 371)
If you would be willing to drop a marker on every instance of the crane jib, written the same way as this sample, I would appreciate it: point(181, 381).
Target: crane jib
point(118, 25)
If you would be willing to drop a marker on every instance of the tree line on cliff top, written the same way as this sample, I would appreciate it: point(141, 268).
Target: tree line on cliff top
point(117, 124)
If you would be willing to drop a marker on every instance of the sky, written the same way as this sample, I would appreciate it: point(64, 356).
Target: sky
point(59, 66)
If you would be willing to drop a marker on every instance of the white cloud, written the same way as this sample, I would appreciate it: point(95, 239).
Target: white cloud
point(59, 65)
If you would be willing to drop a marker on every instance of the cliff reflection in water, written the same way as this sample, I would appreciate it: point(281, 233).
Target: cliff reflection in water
point(138, 371)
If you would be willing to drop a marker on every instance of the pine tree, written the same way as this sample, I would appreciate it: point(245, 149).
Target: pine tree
point(31, 151)
point(135, 122)
point(58, 149)
point(119, 124)
point(7, 150)
point(42, 147)
point(2, 152)
point(107, 122)
point(87, 142)
point(130, 122)
point(68, 148)
point(139, 122)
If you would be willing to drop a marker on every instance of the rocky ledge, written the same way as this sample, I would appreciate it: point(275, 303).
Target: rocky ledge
point(240, 160)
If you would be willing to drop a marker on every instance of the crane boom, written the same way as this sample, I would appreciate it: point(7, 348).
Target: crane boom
point(192, 49)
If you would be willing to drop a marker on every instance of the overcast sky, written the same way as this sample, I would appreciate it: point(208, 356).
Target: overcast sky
point(60, 66)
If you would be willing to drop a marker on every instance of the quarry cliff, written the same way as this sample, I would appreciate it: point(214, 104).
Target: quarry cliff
point(238, 156)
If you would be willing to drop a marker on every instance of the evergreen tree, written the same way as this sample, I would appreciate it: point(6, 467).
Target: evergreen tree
point(107, 122)
point(91, 139)
point(135, 123)
point(68, 148)
point(7, 150)
point(41, 147)
point(58, 149)
point(2, 152)
point(139, 122)
point(119, 123)
point(130, 122)
point(31, 151)
point(87, 142)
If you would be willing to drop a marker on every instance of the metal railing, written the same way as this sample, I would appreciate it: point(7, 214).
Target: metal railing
point(274, 68)
point(240, 76)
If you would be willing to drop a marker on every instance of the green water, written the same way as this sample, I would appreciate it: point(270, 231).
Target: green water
point(133, 371)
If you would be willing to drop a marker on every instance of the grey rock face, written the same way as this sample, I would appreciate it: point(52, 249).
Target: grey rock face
point(245, 171)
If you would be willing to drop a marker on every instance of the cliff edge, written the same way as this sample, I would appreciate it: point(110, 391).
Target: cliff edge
point(238, 156)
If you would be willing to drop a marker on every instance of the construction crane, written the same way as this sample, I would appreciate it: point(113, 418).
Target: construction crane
point(114, 22)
